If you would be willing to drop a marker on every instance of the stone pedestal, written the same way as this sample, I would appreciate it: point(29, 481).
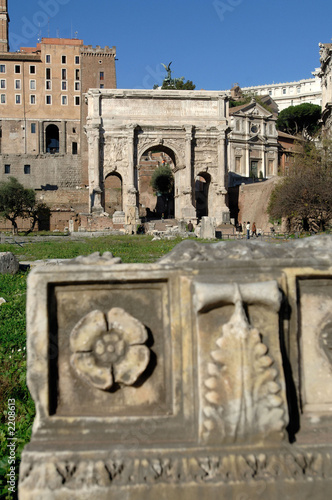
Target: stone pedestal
point(208, 228)
point(205, 375)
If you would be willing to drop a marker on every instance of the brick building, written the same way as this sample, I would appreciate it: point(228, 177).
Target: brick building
point(43, 112)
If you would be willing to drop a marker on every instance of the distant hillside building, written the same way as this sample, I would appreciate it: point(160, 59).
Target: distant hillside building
point(43, 112)
point(290, 93)
point(326, 78)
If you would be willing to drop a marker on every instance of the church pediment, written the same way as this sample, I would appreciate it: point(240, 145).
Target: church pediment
point(252, 109)
point(257, 139)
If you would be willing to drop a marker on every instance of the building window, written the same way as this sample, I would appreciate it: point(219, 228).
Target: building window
point(77, 85)
point(32, 70)
point(64, 85)
point(48, 85)
point(74, 148)
point(77, 59)
point(17, 68)
point(32, 84)
point(48, 73)
point(32, 99)
point(101, 86)
point(270, 92)
point(237, 125)
point(298, 90)
point(101, 75)
point(77, 74)
point(77, 100)
point(52, 139)
point(18, 99)
point(64, 74)
point(33, 128)
point(284, 91)
point(64, 100)
point(63, 59)
point(7, 169)
point(27, 169)
point(18, 84)
point(48, 58)
point(2, 68)
point(48, 99)
point(3, 98)
point(3, 84)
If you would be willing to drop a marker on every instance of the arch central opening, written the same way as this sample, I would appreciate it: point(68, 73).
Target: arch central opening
point(156, 183)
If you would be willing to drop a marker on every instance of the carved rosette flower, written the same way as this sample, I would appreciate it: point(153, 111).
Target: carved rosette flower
point(108, 349)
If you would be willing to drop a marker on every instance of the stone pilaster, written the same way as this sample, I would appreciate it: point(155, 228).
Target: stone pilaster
point(94, 169)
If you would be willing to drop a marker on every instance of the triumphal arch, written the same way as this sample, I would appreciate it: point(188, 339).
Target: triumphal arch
point(189, 126)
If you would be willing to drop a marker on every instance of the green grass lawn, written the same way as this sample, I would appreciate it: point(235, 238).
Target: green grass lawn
point(138, 248)
point(131, 249)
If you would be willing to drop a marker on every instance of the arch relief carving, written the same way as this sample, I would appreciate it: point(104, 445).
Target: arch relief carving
point(146, 143)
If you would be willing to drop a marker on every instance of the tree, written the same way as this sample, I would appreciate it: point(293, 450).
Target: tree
point(178, 84)
point(302, 119)
point(17, 201)
point(162, 180)
point(304, 197)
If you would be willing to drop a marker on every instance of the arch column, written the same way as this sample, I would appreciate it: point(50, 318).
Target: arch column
point(95, 190)
point(130, 191)
point(220, 209)
point(187, 210)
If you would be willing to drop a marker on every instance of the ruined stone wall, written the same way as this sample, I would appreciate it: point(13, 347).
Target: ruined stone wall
point(46, 171)
point(253, 201)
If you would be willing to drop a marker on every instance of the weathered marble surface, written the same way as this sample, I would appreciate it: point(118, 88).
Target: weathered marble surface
point(8, 263)
point(205, 375)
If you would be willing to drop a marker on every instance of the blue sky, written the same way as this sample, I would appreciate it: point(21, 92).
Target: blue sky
point(214, 43)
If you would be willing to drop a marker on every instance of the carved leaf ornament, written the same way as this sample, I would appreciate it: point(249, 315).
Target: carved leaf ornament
point(108, 349)
point(241, 391)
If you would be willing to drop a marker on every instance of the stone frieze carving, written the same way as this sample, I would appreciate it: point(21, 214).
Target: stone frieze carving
point(115, 149)
point(116, 470)
point(109, 349)
point(325, 339)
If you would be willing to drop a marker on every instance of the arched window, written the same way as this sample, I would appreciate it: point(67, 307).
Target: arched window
point(52, 139)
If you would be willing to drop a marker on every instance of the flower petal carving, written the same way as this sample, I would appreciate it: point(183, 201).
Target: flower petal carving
point(108, 349)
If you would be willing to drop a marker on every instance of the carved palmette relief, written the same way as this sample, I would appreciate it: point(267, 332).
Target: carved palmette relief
point(241, 395)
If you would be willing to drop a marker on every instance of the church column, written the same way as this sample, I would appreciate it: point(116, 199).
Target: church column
point(263, 161)
point(247, 173)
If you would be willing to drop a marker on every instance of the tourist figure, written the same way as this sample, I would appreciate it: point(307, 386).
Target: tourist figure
point(190, 227)
point(248, 230)
point(254, 229)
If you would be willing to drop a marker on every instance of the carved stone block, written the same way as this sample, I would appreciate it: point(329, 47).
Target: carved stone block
point(205, 375)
